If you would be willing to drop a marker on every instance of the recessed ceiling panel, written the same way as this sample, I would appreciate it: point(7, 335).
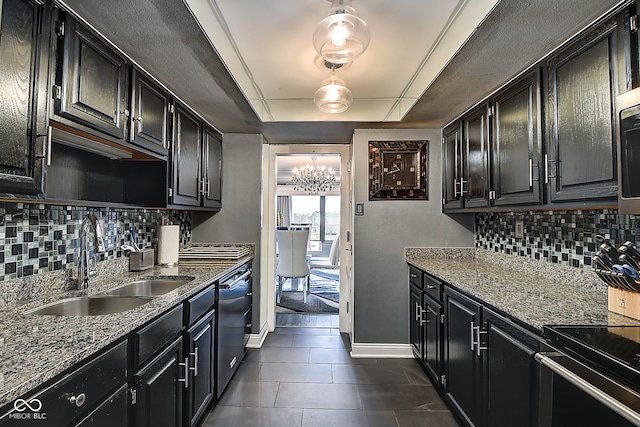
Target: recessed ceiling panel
point(267, 47)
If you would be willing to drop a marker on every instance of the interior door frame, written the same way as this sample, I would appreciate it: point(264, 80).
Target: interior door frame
point(268, 227)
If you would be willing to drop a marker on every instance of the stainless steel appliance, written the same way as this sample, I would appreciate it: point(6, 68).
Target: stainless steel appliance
point(628, 124)
point(590, 376)
point(233, 313)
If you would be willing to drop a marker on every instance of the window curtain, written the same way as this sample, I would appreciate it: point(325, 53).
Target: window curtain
point(283, 214)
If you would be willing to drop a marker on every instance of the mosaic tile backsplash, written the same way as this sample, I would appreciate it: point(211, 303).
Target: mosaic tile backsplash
point(38, 238)
point(561, 237)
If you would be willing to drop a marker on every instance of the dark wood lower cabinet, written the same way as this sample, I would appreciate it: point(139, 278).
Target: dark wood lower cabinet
point(481, 360)
point(461, 361)
point(510, 374)
point(159, 389)
point(201, 380)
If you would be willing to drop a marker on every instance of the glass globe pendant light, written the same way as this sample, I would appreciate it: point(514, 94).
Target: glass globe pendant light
point(342, 36)
point(333, 96)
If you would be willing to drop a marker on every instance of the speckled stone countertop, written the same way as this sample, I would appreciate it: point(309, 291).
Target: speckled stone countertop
point(34, 349)
point(535, 292)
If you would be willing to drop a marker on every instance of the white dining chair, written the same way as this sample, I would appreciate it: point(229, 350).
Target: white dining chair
point(292, 258)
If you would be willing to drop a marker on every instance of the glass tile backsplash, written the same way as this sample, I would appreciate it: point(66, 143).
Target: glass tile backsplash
point(562, 237)
point(36, 238)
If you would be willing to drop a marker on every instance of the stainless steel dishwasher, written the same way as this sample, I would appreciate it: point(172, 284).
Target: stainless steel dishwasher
point(233, 314)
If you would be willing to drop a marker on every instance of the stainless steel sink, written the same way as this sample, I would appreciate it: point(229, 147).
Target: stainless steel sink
point(149, 287)
point(90, 306)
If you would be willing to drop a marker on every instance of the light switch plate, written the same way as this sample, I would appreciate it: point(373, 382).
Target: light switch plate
point(519, 229)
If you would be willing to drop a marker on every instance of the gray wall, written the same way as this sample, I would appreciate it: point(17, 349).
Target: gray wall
point(239, 219)
point(381, 289)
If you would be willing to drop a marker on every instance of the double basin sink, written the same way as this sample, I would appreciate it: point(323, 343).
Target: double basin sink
point(119, 299)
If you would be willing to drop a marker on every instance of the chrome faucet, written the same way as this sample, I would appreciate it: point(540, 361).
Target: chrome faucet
point(88, 222)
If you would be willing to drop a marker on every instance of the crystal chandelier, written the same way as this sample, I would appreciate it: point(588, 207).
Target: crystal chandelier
point(313, 179)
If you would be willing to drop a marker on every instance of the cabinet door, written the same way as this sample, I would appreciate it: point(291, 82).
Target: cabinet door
point(517, 144)
point(462, 365)
point(212, 168)
point(511, 374)
point(186, 160)
point(149, 108)
point(452, 167)
point(159, 387)
point(433, 337)
point(416, 322)
point(583, 83)
point(201, 381)
point(475, 184)
point(93, 81)
point(24, 49)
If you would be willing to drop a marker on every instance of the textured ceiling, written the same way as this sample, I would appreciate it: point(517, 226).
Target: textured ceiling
point(165, 39)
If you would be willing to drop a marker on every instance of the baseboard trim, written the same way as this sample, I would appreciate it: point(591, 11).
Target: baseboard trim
point(397, 351)
point(256, 340)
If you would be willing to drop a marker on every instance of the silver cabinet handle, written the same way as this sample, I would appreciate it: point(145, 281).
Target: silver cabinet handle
point(462, 190)
point(589, 388)
point(185, 380)
point(455, 188)
point(194, 368)
point(479, 347)
point(49, 146)
point(472, 340)
point(78, 400)
point(530, 172)
point(431, 287)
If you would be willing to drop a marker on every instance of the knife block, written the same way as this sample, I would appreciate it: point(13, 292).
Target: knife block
point(624, 302)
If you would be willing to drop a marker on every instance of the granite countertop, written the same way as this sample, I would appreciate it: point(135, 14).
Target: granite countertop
point(535, 292)
point(34, 348)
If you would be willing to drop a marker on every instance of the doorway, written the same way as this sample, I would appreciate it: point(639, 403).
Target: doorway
point(325, 215)
point(304, 208)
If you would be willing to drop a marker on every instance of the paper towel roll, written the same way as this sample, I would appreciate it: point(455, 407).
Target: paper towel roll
point(168, 244)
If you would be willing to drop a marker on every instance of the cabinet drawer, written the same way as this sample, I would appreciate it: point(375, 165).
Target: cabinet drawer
point(157, 334)
point(75, 394)
point(199, 304)
point(433, 287)
point(415, 276)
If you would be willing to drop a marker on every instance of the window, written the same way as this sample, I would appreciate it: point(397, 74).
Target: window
point(322, 212)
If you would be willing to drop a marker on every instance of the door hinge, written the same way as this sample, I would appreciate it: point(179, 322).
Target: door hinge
point(442, 319)
point(171, 109)
point(60, 28)
point(56, 92)
point(347, 306)
point(492, 195)
point(134, 396)
point(633, 23)
point(170, 192)
point(491, 111)
point(443, 381)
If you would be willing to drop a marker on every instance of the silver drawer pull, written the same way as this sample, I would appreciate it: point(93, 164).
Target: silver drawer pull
point(186, 372)
point(194, 368)
point(78, 400)
point(233, 362)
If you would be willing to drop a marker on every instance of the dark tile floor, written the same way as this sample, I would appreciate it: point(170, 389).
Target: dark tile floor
point(304, 376)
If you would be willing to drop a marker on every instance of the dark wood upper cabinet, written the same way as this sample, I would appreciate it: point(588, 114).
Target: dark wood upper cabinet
point(24, 54)
point(475, 185)
point(452, 167)
point(584, 80)
point(149, 112)
point(92, 81)
point(186, 157)
point(212, 168)
point(517, 143)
